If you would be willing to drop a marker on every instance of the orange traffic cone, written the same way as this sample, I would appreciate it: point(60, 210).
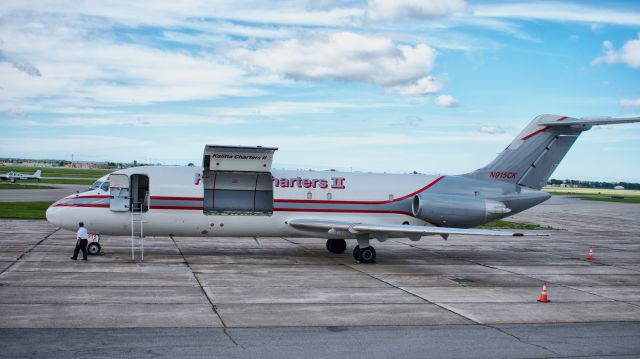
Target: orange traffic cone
point(544, 298)
point(590, 256)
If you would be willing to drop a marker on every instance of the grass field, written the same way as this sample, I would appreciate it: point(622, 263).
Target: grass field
point(500, 224)
point(595, 194)
point(57, 172)
point(30, 210)
point(21, 186)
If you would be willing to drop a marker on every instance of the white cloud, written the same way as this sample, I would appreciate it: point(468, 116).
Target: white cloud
point(84, 67)
point(629, 54)
point(492, 130)
point(390, 10)
point(347, 56)
point(630, 102)
point(423, 86)
point(446, 101)
point(557, 11)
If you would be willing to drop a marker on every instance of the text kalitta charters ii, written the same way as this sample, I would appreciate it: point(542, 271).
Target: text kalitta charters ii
point(237, 157)
point(299, 182)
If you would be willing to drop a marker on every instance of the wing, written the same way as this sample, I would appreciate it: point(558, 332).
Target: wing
point(590, 121)
point(334, 227)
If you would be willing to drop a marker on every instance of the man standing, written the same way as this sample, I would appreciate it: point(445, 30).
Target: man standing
point(82, 239)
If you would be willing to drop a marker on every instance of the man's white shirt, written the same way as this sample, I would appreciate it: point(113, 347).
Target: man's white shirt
point(82, 233)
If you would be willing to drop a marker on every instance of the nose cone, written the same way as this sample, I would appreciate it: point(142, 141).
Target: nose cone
point(59, 215)
point(55, 215)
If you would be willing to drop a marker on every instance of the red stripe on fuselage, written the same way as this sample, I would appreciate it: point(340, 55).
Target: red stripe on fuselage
point(359, 202)
point(329, 210)
point(169, 198)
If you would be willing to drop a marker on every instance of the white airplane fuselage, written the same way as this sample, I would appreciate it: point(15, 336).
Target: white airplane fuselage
point(176, 203)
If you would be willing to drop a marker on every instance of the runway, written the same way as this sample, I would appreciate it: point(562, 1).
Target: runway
point(34, 195)
point(461, 298)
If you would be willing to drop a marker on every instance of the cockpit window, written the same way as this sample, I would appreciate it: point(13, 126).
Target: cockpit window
point(105, 186)
point(95, 185)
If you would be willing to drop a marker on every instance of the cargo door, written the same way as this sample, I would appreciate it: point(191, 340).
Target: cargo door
point(119, 192)
point(238, 180)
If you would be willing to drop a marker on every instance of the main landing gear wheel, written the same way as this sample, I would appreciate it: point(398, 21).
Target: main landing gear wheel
point(364, 255)
point(93, 248)
point(336, 245)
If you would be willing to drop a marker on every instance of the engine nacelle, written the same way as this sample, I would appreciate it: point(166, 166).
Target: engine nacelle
point(455, 210)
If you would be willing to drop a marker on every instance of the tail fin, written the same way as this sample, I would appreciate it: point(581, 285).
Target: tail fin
point(531, 158)
point(37, 173)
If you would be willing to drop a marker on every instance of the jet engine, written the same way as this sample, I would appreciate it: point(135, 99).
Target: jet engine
point(456, 210)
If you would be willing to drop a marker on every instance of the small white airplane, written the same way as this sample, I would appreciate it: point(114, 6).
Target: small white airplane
point(235, 193)
point(15, 176)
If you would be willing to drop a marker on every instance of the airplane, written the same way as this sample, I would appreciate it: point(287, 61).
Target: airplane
point(235, 193)
point(14, 176)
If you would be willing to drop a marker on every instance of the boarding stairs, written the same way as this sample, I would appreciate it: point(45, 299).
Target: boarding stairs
point(137, 228)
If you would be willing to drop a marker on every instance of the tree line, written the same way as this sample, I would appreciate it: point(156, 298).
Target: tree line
point(594, 184)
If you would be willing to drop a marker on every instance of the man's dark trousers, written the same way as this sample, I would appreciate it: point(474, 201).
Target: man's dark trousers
point(81, 244)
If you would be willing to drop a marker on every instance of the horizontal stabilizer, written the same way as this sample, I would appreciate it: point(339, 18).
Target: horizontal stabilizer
point(396, 229)
point(589, 121)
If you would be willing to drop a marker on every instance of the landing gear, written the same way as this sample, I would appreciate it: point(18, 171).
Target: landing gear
point(93, 248)
point(336, 245)
point(364, 255)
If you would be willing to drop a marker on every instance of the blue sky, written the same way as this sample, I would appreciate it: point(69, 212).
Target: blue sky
point(381, 85)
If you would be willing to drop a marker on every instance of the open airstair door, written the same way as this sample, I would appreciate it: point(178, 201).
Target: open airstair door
point(237, 180)
point(119, 192)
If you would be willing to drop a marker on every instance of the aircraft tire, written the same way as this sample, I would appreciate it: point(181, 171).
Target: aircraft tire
point(367, 255)
point(336, 245)
point(94, 248)
point(364, 255)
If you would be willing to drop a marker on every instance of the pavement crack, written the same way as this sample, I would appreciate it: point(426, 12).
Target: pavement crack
point(213, 306)
point(518, 338)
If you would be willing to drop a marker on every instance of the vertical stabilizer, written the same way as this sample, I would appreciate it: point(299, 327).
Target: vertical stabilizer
point(534, 154)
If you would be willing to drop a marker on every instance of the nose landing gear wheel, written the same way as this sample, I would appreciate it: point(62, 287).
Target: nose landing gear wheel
point(336, 245)
point(364, 255)
point(93, 248)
